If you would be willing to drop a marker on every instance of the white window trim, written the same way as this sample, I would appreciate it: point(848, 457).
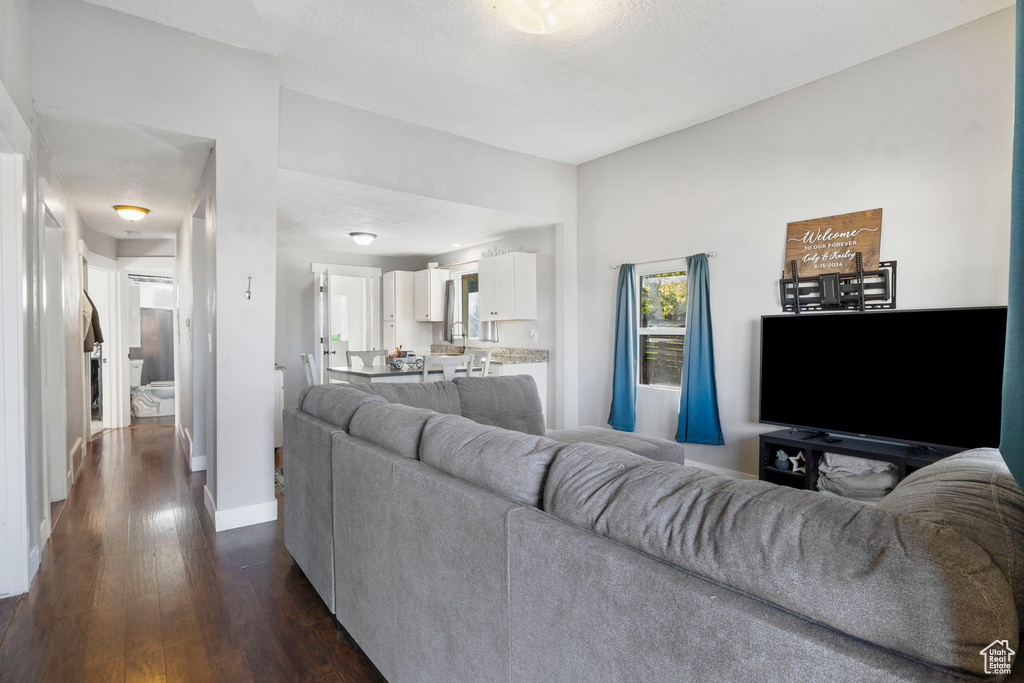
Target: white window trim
point(653, 268)
point(455, 274)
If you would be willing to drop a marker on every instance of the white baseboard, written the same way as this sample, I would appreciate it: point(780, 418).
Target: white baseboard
point(733, 474)
point(34, 558)
point(246, 515)
point(72, 474)
point(196, 463)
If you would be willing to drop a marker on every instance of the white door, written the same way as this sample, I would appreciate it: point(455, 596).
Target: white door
point(488, 288)
point(101, 290)
point(321, 282)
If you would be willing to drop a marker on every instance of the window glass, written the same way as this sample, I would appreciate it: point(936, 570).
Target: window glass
point(661, 359)
point(469, 286)
point(662, 328)
point(663, 300)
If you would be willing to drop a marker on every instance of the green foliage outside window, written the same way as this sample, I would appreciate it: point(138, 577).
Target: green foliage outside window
point(663, 300)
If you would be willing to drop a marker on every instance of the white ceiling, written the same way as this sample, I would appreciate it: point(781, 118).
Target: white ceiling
point(318, 213)
point(629, 71)
point(104, 163)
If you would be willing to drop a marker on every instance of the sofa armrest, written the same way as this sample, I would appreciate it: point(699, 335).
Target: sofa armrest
point(308, 503)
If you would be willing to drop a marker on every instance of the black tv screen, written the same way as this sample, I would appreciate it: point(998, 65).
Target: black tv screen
point(927, 377)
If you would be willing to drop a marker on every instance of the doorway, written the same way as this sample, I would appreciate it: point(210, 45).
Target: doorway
point(100, 362)
point(151, 349)
point(347, 314)
point(59, 460)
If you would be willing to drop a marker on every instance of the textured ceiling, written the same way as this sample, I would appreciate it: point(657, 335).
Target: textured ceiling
point(629, 71)
point(318, 213)
point(104, 163)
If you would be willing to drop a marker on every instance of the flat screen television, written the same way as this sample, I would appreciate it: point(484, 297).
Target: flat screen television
point(926, 377)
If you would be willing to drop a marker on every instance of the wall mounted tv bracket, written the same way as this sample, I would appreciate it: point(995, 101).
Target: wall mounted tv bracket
point(863, 290)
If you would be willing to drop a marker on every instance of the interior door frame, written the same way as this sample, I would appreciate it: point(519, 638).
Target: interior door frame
point(18, 563)
point(57, 459)
point(160, 266)
point(321, 306)
point(110, 327)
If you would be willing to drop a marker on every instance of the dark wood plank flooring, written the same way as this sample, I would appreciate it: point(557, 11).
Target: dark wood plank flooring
point(135, 586)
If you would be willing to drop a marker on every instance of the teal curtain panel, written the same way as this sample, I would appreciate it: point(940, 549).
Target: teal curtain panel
point(1011, 443)
point(623, 412)
point(699, 421)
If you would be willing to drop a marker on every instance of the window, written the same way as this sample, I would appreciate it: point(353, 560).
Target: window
point(662, 328)
point(469, 289)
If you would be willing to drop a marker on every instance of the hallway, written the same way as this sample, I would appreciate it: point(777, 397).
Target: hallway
point(136, 586)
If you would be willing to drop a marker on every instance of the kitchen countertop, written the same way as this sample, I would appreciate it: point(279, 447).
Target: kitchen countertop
point(500, 355)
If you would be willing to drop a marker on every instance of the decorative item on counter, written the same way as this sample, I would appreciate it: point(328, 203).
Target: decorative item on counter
point(796, 460)
point(400, 358)
point(781, 460)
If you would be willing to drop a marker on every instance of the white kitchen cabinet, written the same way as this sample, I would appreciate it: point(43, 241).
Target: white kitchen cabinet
point(398, 313)
point(429, 294)
point(508, 287)
point(388, 304)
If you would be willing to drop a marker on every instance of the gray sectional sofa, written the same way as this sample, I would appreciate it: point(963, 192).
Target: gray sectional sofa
point(456, 540)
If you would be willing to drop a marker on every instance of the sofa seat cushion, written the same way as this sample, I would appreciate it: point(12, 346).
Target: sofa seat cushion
point(974, 495)
point(393, 426)
point(510, 464)
point(335, 403)
point(648, 446)
point(441, 397)
point(507, 402)
point(892, 580)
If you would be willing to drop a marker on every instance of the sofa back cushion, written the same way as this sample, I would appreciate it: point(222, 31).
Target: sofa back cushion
point(508, 402)
point(508, 463)
point(441, 397)
point(974, 495)
point(889, 579)
point(393, 426)
point(335, 403)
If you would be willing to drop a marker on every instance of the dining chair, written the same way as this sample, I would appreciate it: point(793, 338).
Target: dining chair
point(367, 357)
point(449, 365)
point(307, 365)
point(485, 364)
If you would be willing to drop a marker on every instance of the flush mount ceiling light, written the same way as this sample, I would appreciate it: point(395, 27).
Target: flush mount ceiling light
point(540, 16)
point(131, 213)
point(362, 238)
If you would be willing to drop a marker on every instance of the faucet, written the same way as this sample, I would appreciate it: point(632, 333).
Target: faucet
point(451, 332)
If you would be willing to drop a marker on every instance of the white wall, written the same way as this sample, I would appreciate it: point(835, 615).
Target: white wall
point(295, 305)
point(137, 248)
point(74, 352)
point(924, 133)
point(15, 55)
point(335, 141)
point(84, 57)
point(102, 244)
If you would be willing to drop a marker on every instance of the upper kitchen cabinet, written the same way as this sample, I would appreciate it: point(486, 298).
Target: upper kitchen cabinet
point(429, 297)
point(508, 287)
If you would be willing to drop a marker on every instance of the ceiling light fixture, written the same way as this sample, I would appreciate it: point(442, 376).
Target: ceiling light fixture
point(362, 238)
point(456, 245)
point(131, 213)
point(540, 16)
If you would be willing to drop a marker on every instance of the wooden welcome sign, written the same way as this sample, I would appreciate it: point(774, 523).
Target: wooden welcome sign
point(830, 245)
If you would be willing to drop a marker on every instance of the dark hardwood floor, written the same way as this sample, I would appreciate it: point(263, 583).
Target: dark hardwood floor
point(135, 586)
